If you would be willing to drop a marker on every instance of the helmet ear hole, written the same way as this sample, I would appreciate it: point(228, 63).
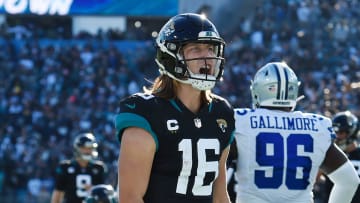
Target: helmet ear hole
point(166, 59)
point(174, 67)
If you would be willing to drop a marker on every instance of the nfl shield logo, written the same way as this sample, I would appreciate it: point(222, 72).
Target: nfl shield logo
point(197, 122)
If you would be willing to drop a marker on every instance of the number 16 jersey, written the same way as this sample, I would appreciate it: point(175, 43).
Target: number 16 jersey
point(279, 154)
point(188, 145)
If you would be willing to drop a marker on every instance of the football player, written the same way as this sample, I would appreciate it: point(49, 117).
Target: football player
point(76, 176)
point(281, 150)
point(175, 137)
point(346, 127)
point(101, 194)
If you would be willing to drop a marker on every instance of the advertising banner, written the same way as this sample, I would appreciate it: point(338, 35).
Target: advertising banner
point(91, 7)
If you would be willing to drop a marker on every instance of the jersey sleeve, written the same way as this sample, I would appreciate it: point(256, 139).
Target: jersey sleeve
point(135, 111)
point(328, 130)
point(325, 135)
point(104, 171)
point(101, 166)
point(60, 176)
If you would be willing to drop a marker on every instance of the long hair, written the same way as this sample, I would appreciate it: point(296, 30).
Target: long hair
point(166, 87)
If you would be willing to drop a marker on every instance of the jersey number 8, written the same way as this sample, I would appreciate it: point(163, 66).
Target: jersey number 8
point(82, 181)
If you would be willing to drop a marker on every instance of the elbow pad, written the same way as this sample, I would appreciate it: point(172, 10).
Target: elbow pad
point(345, 181)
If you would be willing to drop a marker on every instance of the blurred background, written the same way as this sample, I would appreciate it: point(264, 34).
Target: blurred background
point(65, 64)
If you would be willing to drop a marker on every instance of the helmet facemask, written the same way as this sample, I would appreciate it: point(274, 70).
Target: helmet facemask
point(182, 73)
point(86, 156)
point(206, 75)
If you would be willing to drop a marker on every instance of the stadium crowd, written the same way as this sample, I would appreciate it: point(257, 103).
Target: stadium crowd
point(51, 89)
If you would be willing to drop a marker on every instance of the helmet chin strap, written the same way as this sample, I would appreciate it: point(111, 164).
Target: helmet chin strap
point(197, 82)
point(86, 157)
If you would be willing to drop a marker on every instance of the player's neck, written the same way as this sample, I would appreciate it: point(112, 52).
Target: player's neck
point(190, 97)
point(82, 163)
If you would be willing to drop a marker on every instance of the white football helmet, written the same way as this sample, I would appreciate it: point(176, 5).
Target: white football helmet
point(85, 140)
point(275, 85)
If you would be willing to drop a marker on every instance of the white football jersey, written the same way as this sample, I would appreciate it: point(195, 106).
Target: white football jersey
point(279, 154)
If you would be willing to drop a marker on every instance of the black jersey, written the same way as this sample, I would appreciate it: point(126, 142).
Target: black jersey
point(188, 145)
point(231, 168)
point(72, 178)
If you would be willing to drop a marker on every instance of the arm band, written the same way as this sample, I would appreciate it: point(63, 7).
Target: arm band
point(345, 181)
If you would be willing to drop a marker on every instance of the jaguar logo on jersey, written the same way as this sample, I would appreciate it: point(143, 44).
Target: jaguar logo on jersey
point(197, 122)
point(222, 124)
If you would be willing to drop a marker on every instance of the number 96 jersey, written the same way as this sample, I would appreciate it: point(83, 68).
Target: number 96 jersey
point(188, 145)
point(279, 154)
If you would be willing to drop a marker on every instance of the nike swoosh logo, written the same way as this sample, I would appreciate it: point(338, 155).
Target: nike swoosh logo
point(131, 106)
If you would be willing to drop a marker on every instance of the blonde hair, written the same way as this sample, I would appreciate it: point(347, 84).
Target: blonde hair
point(166, 87)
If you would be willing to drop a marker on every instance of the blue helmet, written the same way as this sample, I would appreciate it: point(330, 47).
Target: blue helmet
point(177, 32)
point(346, 122)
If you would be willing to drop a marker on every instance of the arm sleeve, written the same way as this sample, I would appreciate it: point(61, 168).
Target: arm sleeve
point(345, 181)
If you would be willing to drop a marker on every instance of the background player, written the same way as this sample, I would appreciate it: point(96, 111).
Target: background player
point(175, 138)
point(76, 176)
point(281, 150)
point(346, 127)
